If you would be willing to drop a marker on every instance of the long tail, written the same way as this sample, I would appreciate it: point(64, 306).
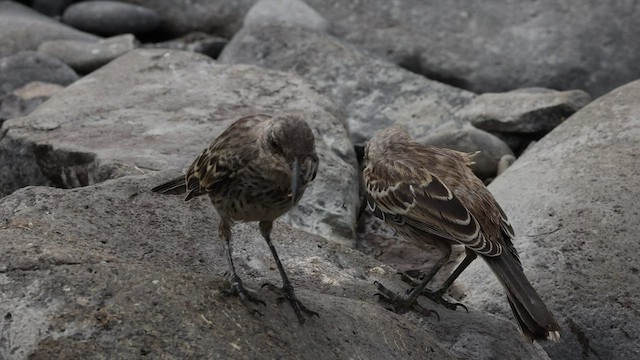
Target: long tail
point(533, 316)
point(176, 186)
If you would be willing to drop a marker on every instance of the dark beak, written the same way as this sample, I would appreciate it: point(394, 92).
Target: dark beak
point(295, 181)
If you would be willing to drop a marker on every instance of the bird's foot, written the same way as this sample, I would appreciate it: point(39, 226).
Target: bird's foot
point(400, 304)
point(246, 296)
point(436, 296)
point(286, 293)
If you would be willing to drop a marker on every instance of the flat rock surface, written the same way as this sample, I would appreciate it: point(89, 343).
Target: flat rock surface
point(24, 29)
point(157, 109)
point(498, 45)
point(116, 270)
point(575, 209)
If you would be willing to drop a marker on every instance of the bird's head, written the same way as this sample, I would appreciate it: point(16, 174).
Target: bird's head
point(383, 141)
point(291, 137)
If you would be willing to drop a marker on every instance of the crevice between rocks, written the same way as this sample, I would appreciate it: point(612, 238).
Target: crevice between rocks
point(24, 163)
point(67, 169)
point(414, 64)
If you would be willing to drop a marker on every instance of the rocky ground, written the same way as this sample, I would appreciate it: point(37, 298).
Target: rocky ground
point(102, 100)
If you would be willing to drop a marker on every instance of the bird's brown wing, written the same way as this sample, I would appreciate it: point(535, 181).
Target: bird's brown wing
point(428, 206)
point(224, 157)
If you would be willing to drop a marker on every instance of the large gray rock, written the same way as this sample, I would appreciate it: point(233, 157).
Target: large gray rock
point(28, 66)
point(84, 56)
point(573, 201)
point(498, 45)
point(532, 110)
point(157, 109)
point(111, 18)
point(115, 271)
point(179, 17)
point(24, 29)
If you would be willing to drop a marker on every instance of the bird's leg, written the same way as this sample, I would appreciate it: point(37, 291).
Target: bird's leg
point(437, 295)
point(401, 304)
point(286, 291)
point(236, 288)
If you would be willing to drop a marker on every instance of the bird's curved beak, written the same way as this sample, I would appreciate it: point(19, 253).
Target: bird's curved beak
point(295, 181)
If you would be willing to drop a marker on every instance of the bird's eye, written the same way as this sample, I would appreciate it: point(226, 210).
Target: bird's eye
point(274, 143)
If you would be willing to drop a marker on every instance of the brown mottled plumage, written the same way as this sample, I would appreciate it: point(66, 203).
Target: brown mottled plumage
point(431, 196)
point(256, 170)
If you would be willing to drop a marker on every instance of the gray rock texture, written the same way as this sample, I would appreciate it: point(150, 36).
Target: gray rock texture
point(573, 200)
point(199, 42)
point(498, 45)
point(24, 29)
point(374, 93)
point(113, 270)
point(532, 110)
point(53, 8)
point(28, 66)
point(218, 17)
point(286, 12)
point(157, 109)
point(465, 137)
point(84, 56)
point(24, 100)
point(109, 18)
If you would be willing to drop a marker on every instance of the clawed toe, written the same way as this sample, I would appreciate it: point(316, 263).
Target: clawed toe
point(286, 293)
point(437, 296)
point(246, 296)
point(399, 304)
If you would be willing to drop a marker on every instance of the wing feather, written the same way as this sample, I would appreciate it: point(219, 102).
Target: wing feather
point(428, 206)
point(222, 159)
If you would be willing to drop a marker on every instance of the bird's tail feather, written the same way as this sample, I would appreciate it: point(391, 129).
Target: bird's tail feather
point(533, 316)
point(176, 186)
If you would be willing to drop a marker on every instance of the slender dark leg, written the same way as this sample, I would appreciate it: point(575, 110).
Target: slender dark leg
point(468, 259)
point(287, 290)
point(236, 288)
point(437, 294)
point(402, 304)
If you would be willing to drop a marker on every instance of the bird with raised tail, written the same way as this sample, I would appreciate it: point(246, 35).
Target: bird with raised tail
point(256, 170)
point(431, 196)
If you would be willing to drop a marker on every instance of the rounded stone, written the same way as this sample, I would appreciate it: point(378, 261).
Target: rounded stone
point(27, 66)
point(109, 18)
